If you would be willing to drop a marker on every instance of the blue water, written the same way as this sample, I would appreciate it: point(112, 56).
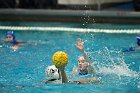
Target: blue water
point(23, 70)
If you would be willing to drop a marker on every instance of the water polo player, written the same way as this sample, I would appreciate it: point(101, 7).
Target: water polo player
point(85, 65)
point(11, 40)
point(134, 48)
point(60, 60)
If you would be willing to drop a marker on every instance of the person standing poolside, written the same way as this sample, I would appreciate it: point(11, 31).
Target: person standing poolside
point(85, 65)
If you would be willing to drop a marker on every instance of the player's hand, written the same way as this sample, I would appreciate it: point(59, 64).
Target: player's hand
point(80, 44)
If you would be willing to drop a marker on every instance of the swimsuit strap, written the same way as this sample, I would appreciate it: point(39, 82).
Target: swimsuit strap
point(83, 72)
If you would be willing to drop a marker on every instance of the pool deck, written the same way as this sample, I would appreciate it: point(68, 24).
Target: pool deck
point(70, 16)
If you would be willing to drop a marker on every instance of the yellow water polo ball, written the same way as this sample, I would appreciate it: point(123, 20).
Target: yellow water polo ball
point(60, 59)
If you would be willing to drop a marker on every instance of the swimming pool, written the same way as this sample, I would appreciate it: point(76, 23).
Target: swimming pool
point(22, 71)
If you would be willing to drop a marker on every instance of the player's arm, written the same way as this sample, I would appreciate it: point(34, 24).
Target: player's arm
point(80, 46)
point(63, 75)
point(87, 80)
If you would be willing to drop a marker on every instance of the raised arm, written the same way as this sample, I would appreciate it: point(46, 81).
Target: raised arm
point(80, 47)
point(63, 75)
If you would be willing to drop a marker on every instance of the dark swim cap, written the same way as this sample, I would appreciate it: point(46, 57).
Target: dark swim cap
point(11, 33)
point(138, 41)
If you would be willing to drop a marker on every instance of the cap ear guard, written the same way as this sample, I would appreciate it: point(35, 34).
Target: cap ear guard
point(52, 73)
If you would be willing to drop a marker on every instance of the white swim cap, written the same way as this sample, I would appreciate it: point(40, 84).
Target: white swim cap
point(52, 72)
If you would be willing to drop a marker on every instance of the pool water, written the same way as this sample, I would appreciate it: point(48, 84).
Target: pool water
point(23, 70)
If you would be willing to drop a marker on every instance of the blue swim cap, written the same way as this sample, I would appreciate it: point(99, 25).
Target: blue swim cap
point(11, 33)
point(138, 41)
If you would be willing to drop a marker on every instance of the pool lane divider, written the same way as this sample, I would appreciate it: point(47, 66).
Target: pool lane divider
point(69, 29)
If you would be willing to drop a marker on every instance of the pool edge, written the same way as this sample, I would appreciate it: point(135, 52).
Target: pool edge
point(70, 16)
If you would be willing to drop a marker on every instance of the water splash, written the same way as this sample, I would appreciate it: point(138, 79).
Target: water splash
point(112, 62)
point(138, 86)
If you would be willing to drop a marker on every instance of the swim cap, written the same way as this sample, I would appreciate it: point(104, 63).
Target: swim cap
point(52, 73)
point(11, 33)
point(138, 41)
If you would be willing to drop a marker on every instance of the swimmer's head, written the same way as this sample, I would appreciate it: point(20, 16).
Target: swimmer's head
point(52, 73)
point(10, 36)
point(82, 64)
point(138, 41)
